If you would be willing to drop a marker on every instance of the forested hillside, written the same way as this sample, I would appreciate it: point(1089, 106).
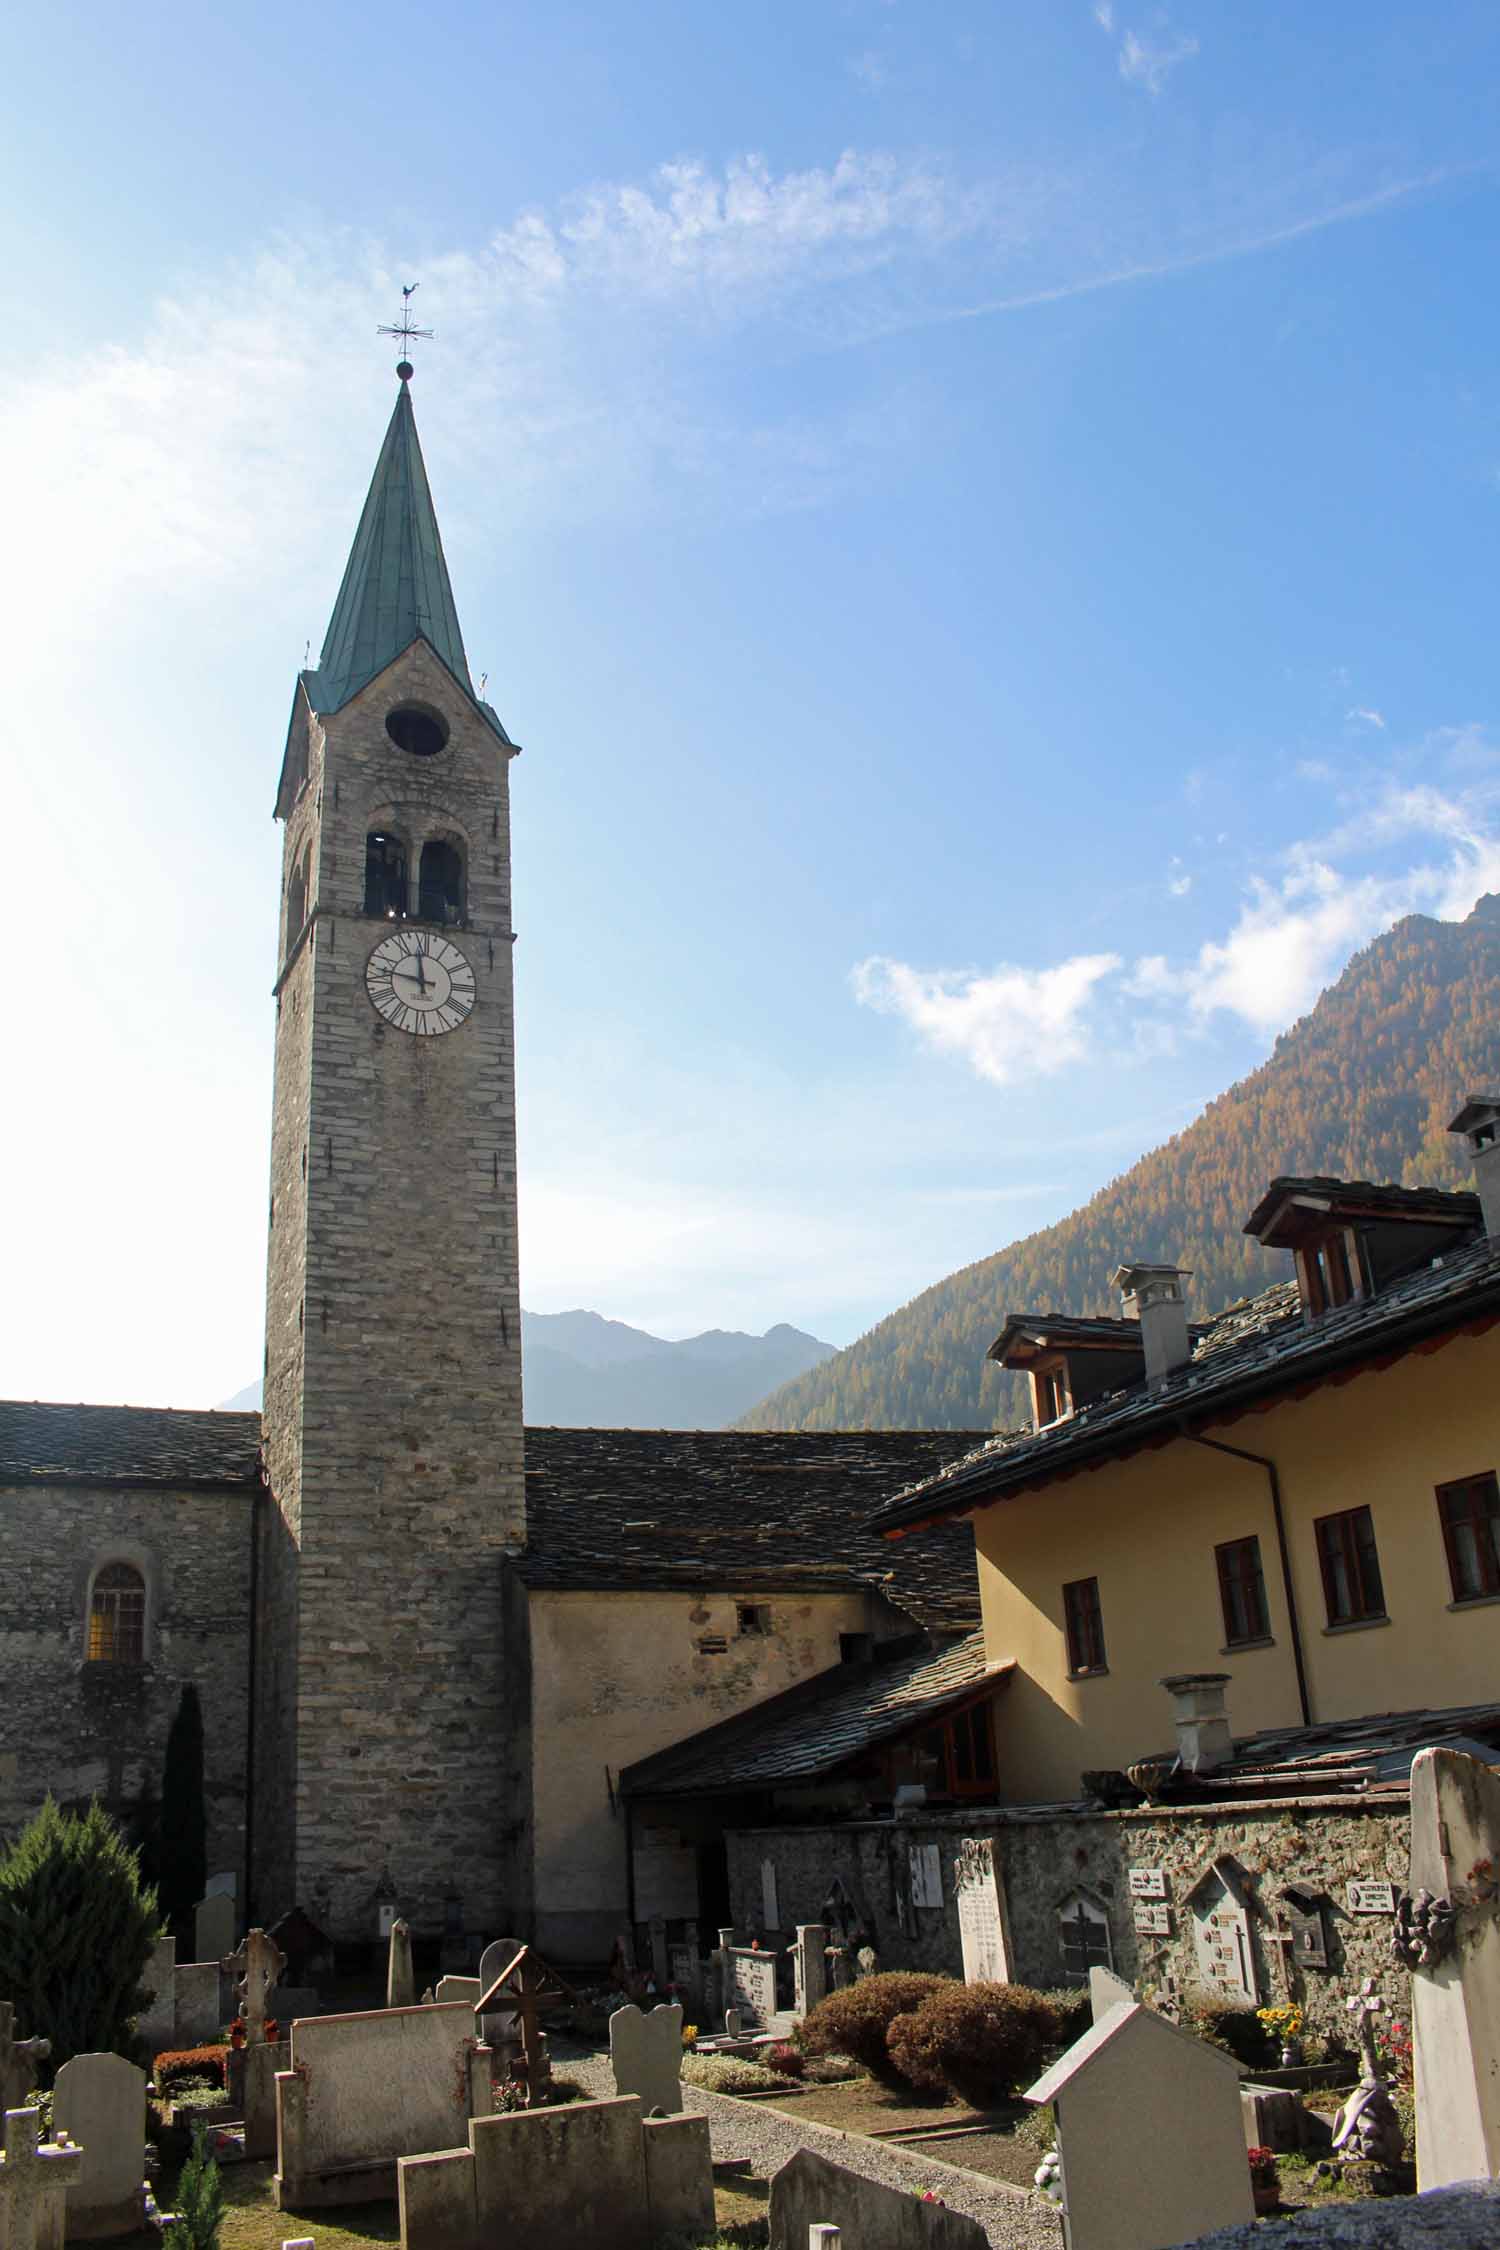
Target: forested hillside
point(1362, 1087)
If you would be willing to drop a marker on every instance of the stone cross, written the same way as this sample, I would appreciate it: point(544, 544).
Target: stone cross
point(258, 1963)
point(18, 2060)
point(1367, 2126)
point(29, 2174)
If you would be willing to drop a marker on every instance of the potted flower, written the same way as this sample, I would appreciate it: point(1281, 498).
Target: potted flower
point(237, 2033)
point(1265, 2186)
point(1284, 2025)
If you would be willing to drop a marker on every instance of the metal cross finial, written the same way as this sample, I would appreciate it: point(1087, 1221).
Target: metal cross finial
point(406, 330)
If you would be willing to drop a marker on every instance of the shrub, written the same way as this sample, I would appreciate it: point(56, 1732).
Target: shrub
point(1072, 2012)
point(76, 1932)
point(786, 2059)
point(1239, 2031)
point(979, 2041)
point(729, 2074)
point(200, 2200)
point(178, 2067)
point(855, 2020)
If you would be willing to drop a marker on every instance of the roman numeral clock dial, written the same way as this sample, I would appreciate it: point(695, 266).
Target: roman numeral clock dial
point(420, 982)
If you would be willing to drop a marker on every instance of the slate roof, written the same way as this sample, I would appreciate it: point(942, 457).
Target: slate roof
point(773, 1510)
point(813, 1729)
point(127, 1445)
point(1256, 1350)
point(1366, 1199)
point(1358, 1757)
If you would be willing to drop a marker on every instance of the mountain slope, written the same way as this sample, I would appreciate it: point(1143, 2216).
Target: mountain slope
point(1362, 1087)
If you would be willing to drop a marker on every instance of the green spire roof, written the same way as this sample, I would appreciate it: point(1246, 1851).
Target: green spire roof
point(396, 581)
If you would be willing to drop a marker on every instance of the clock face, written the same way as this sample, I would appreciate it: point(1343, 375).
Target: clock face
point(420, 982)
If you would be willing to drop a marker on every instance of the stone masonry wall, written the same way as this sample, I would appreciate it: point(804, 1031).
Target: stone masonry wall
point(1046, 1856)
point(393, 1389)
point(80, 1729)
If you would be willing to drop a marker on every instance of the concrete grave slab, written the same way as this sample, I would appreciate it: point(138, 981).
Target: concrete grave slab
point(809, 2191)
point(1106, 1991)
point(1149, 2133)
point(261, 2066)
point(467, 1989)
point(364, 2090)
point(570, 2178)
point(679, 2176)
point(99, 2101)
point(645, 2054)
point(197, 2006)
point(214, 1926)
point(157, 2022)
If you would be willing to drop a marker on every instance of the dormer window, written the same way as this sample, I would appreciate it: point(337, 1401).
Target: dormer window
point(1350, 1238)
point(1049, 1395)
point(1069, 1361)
point(1328, 1271)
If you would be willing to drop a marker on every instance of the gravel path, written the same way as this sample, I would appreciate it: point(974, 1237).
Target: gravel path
point(769, 2137)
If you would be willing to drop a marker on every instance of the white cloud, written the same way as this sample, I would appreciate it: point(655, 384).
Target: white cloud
point(870, 70)
point(1143, 63)
point(1104, 15)
point(1009, 1025)
point(1360, 717)
point(1179, 883)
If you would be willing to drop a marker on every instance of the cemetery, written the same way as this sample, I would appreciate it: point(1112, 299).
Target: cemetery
point(809, 2088)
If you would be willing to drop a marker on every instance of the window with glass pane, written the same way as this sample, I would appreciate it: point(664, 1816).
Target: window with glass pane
point(1242, 1591)
point(1350, 1566)
point(1085, 1625)
point(117, 1616)
point(1470, 1512)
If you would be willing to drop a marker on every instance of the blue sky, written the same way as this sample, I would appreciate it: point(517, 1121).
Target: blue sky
point(982, 518)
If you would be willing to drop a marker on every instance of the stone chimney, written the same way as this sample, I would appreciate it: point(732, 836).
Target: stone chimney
point(1203, 1737)
point(1479, 1123)
point(1153, 1296)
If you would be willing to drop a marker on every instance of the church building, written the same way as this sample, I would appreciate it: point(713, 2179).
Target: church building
point(425, 1639)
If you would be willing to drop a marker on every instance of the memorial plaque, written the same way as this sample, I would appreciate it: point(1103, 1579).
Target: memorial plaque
point(981, 1919)
point(1148, 1882)
point(1221, 1936)
point(1372, 1898)
point(1153, 1921)
point(926, 1875)
point(752, 1985)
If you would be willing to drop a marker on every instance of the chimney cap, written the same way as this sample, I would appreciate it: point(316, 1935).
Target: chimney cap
point(1479, 1109)
point(1181, 1683)
point(1140, 1274)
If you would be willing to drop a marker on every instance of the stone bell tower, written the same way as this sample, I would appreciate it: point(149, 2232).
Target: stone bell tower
point(390, 1750)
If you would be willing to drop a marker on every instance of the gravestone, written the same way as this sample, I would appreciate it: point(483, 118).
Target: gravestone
point(1222, 1936)
point(1106, 1991)
point(752, 1984)
point(261, 2066)
point(197, 2006)
point(156, 2025)
point(981, 1913)
point(569, 2178)
point(496, 1957)
point(400, 1976)
point(1448, 1934)
point(18, 2060)
point(458, 1988)
point(526, 1986)
point(645, 2055)
point(809, 1966)
point(1149, 2134)
point(257, 1963)
point(100, 2102)
point(34, 2177)
point(679, 2178)
point(809, 2192)
point(214, 1926)
point(362, 2091)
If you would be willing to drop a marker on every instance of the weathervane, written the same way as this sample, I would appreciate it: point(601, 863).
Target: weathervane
point(405, 330)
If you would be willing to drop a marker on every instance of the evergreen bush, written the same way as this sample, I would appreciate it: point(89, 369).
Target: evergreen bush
point(76, 1932)
point(182, 1822)
point(855, 2020)
point(982, 2042)
point(200, 2200)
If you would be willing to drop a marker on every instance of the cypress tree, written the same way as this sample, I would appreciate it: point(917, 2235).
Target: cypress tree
point(183, 1823)
point(200, 2200)
point(76, 1932)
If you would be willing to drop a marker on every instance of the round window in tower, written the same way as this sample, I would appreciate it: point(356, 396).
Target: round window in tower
point(418, 728)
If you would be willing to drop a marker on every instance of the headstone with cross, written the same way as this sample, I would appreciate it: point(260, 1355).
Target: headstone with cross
point(34, 2177)
point(18, 2060)
point(257, 1963)
point(527, 1986)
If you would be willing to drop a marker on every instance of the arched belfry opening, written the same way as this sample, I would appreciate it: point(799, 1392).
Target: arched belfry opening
point(385, 875)
point(440, 882)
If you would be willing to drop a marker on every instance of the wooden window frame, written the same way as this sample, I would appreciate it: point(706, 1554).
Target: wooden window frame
point(954, 1741)
point(1482, 1518)
point(1340, 1542)
point(117, 1614)
point(1234, 1581)
point(1083, 1627)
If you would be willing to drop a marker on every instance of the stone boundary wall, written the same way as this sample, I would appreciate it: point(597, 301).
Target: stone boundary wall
point(1047, 1856)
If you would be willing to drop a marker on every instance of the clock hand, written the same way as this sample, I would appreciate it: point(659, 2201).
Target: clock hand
point(421, 976)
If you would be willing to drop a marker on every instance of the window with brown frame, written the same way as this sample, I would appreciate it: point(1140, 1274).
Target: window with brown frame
point(1242, 1592)
point(1051, 1396)
point(1329, 1276)
point(1350, 1565)
point(117, 1616)
point(962, 1753)
point(1470, 1513)
point(1084, 1622)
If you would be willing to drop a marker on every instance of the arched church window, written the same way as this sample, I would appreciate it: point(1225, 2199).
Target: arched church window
point(440, 884)
point(117, 1615)
point(385, 875)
